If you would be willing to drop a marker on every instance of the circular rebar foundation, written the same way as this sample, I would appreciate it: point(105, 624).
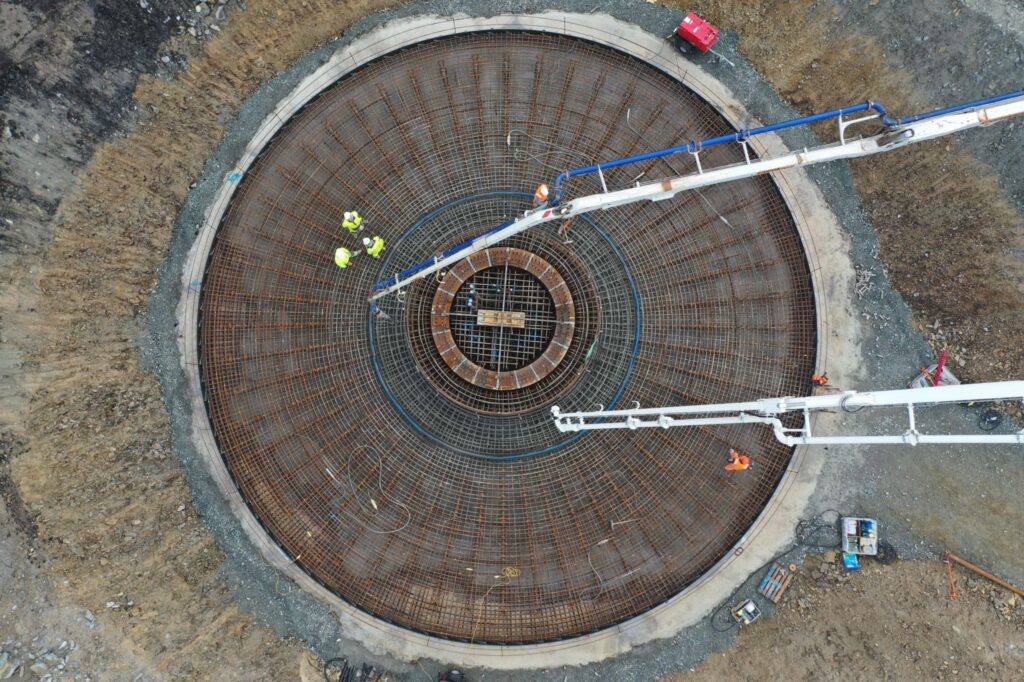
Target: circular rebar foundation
point(445, 506)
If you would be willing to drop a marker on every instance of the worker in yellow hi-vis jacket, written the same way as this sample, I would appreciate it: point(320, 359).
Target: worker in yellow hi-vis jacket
point(374, 246)
point(343, 256)
point(352, 221)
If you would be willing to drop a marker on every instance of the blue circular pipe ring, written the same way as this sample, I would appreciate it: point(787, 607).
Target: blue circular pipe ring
point(518, 455)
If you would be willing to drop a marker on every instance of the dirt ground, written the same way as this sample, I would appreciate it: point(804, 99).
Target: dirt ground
point(892, 622)
point(101, 544)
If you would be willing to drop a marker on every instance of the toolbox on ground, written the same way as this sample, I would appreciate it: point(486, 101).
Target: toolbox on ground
point(746, 612)
point(859, 536)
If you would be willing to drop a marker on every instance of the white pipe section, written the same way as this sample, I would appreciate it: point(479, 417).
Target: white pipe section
point(521, 224)
point(962, 393)
point(766, 412)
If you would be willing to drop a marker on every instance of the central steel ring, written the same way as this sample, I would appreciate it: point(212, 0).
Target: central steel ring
point(503, 319)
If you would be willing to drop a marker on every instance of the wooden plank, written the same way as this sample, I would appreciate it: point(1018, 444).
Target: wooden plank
point(775, 583)
point(782, 588)
point(500, 318)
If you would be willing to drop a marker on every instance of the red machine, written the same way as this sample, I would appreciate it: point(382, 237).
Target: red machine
point(697, 32)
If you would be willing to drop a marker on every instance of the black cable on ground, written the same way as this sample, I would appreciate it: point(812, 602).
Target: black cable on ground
point(808, 530)
point(729, 626)
point(887, 554)
point(807, 533)
point(842, 405)
point(989, 420)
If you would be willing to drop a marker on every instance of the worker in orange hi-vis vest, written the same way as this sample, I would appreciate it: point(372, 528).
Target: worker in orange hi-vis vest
point(737, 462)
point(821, 379)
point(540, 197)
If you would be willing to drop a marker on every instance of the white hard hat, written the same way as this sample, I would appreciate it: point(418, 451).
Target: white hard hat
point(348, 215)
point(366, 241)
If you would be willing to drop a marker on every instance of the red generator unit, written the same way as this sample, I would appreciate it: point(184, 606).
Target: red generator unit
point(696, 32)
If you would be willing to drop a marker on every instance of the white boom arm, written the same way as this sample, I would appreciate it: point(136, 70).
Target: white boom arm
point(892, 138)
point(767, 412)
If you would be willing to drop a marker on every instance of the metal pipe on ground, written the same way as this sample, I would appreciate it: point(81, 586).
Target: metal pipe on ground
point(949, 556)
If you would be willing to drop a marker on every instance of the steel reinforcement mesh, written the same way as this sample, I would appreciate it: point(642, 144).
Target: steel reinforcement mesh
point(507, 422)
point(502, 347)
point(416, 496)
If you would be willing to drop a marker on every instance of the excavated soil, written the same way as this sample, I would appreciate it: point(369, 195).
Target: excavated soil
point(114, 515)
point(882, 623)
point(120, 543)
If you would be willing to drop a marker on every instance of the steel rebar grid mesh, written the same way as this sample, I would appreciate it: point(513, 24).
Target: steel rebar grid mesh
point(503, 348)
point(383, 501)
point(518, 420)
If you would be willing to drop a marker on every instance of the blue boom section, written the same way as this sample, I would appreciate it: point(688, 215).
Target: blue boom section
point(696, 146)
point(739, 136)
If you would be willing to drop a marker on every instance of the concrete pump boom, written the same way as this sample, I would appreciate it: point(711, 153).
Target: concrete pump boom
point(898, 132)
point(768, 411)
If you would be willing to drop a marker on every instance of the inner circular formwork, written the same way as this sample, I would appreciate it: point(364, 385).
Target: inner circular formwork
point(502, 319)
point(445, 507)
point(510, 343)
